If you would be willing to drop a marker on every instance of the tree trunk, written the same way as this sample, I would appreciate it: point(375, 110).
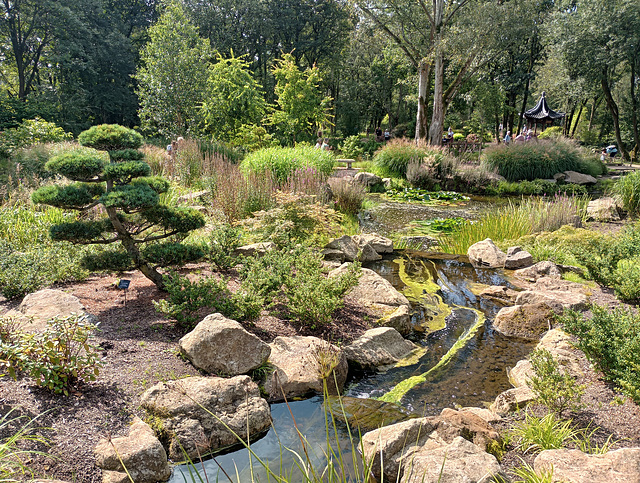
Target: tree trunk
point(634, 111)
point(613, 108)
point(577, 121)
point(437, 117)
point(424, 75)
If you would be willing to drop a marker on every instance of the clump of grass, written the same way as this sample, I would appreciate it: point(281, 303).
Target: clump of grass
point(539, 160)
point(395, 157)
point(348, 196)
point(535, 434)
point(516, 220)
point(13, 458)
point(282, 162)
point(627, 191)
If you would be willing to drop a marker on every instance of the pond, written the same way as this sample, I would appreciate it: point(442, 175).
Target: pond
point(462, 362)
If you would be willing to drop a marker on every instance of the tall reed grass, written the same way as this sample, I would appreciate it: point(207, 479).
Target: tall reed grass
point(627, 191)
point(394, 158)
point(515, 220)
point(282, 162)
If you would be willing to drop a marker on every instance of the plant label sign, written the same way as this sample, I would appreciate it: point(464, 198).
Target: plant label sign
point(124, 284)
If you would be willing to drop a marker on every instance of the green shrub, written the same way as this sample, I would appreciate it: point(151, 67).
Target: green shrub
point(352, 148)
point(395, 156)
point(348, 196)
point(556, 390)
point(538, 187)
point(552, 132)
point(30, 132)
point(224, 241)
point(282, 162)
point(627, 191)
point(59, 356)
point(611, 340)
point(533, 160)
point(538, 434)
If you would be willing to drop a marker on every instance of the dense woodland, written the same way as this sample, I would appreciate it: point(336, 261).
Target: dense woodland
point(218, 68)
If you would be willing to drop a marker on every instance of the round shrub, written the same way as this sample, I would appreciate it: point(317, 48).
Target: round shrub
point(282, 162)
point(110, 137)
point(76, 165)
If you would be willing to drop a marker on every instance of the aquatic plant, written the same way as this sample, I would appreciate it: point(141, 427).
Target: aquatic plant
point(407, 195)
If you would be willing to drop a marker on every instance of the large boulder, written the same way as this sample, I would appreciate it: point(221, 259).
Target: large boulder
point(378, 347)
point(457, 462)
point(379, 243)
point(200, 413)
point(603, 209)
point(222, 346)
point(37, 308)
point(140, 453)
point(574, 466)
point(499, 293)
point(512, 400)
point(367, 179)
point(579, 178)
point(255, 249)
point(558, 299)
point(398, 318)
point(539, 270)
point(517, 258)
point(300, 364)
point(346, 245)
point(529, 321)
point(486, 254)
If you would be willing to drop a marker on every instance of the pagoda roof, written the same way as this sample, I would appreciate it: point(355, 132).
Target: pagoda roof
point(542, 111)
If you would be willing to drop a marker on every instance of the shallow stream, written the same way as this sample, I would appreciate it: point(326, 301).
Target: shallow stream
point(462, 362)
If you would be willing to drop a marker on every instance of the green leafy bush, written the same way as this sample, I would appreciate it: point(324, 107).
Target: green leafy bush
point(538, 187)
point(611, 340)
point(30, 132)
point(552, 132)
point(352, 148)
point(627, 191)
point(282, 162)
point(538, 160)
point(556, 390)
point(395, 156)
point(224, 241)
point(59, 356)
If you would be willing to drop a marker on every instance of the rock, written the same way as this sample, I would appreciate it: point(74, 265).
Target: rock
point(419, 242)
point(378, 347)
point(141, 453)
point(512, 400)
point(517, 258)
point(367, 179)
point(559, 177)
point(399, 319)
point(346, 245)
point(539, 270)
point(368, 254)
point(559, 344)
point(521, 374)
point(574, 466)
point(299, 362)
point(499, 292)
point(386, 182)
point(189, 197)
point(236, 402)
point(467, 424)
point(39, 307)
point(255, 249)
point(484, 413)
point(603, 209)
point(486, 254)
point(555, 284)
point(222, 346)
point(330, 254)
point(529, 321)
point(578, 178)
point(367, 414)
point(379, 243)
point(457, 462)
point(565, 299)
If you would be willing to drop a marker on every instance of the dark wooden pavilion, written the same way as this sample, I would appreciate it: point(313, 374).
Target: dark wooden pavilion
point(541, 115)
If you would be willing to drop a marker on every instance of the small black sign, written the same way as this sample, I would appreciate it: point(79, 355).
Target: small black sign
point(124, 284)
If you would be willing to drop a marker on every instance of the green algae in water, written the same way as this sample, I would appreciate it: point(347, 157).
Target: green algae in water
point(402, 388)
point(421, 289)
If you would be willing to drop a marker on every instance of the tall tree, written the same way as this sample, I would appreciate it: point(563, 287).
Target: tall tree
point(173, 76)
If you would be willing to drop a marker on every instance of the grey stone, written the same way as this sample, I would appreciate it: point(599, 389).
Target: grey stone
point(185, 408)
point(603, 209)
point(378, 347)
point(574, 466)
point(189, 197)
point(140, 453)
point(346, 245)
point(299, 365)
point(499, 292)
point(486, 254)
point(367, 179)
point(579, 178)
point(379, 243)
point(398, 318)
point(512, 400)
point(529, 321)
point(255, 249)
point(222, 346)
point(539, 270)
point(517, 258)
point(368, 254)
point(553, 298)
point(333, 255)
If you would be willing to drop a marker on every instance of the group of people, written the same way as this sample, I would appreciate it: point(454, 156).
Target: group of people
point(525, 135)
point(172, 148)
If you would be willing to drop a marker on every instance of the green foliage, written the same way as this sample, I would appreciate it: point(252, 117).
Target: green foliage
point(537, 160)
point(538, 434)
point(108, 260)
point(424, 196)
point(123, 172)
point(395, 156)
point(352, 148)
point(187, 297)
point(234, 97)
point(611, 340)
point(558, 246)
point(627, 190)
point(130, 197)
point(73, 196)
point(110, 137)
point(301, 108)
point(172, 78)
point(264, 275)
point(556, 390)
point(282, 162)
point(175, 218)
point(251, 137)
point(224, 241)
point(17, 432)
point(80, 231)
point(348, 196)
point(168, 254)
point(527, 474)
point(30, 162)
point(552, 132)
point(76, 165)
point(59, 356)
point(129, 154)
point(437, 225)
point(30, 132)
point(538, 187)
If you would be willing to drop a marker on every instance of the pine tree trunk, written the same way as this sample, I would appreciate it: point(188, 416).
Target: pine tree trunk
point(424, 74)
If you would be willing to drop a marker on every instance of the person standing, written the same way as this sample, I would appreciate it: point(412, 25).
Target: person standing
point(507, 138)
